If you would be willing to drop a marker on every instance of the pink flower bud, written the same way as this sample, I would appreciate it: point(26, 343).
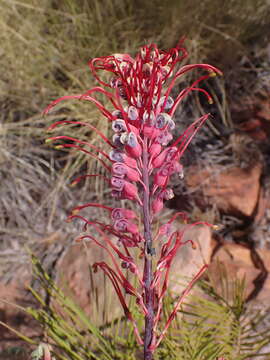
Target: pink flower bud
point(148, 118)
point(117, 114)
point(168, 104)
point(123, 225)
point(159, 179)
point(132, 140)
point(121, 157)
point(168, 169)
point(134, 129)
point(132, 174)
point(124, 138)
point(165, 229)
point(157, 205)
point(164, 137)
point(117, 183)
point(171, 125)
point(161, 120)
point(166, 155)
point(171, 154)
point(130, 161)
point(116, 155)
point(155, 149)
point(133, 148)
point(119, 125)
point(136, 151)
point(120, 225)
point(178, 168)
point(121, 170)
point(117, 140)
point(121, 213)
point(116, 194)
point(168, 194)
point(130, 191)
point(150, 132)
point(132, 113)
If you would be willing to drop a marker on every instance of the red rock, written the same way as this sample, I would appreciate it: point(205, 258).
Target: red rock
point(234, 190)
point(238, 265)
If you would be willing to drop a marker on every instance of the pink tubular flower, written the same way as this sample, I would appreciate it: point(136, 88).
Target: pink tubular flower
point(118, 213)
point(122, 170)
point(123, 225)
point(139, 163)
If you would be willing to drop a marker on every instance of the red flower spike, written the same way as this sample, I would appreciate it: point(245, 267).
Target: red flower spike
point(140, 163)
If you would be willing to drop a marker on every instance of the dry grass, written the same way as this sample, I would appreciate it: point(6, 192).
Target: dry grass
point(45, 46)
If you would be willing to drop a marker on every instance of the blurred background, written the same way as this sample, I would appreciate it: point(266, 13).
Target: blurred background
point(45, 47)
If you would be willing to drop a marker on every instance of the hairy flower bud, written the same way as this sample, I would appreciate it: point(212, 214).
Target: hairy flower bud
point(120, 156)
point(117, 140)
point(155, 149)
point(164, 137)
point(161, 120)
point(168, 104)
point(150, 132)
point(117, 183)
point(121, 213)
point(157, 205)
point(116, 155)
point(119, 125)
point(165, 155)
point(171, 125)
point(130, 191)
point(123, 225)
point(171, 153)
point(132, 113)
point(148, 118)
point(117, 114)
point(121, 170)
point(133, 148)
point(168, 194)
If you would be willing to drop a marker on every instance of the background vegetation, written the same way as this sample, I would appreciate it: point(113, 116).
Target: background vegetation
point(45, 47)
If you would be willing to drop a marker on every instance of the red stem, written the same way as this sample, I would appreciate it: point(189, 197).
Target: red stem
point(148, 267)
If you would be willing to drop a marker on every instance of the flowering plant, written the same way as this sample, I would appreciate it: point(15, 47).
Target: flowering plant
point(139, 165)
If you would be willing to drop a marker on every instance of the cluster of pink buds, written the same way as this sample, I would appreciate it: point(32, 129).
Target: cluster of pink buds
point(139, 164)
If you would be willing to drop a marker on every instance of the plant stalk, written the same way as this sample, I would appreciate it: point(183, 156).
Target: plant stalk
point(148, 270)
